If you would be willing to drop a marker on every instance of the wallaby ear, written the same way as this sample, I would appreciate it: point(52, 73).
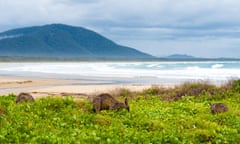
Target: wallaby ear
point(126, 101)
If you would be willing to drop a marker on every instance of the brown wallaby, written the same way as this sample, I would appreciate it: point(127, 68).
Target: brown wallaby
point(107, 102)
point(1, 111)
point(218, 108)
point(24, 97)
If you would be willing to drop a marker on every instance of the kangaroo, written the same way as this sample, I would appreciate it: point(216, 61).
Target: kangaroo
point(24, 97)
point(218, 108)
point(107, 102)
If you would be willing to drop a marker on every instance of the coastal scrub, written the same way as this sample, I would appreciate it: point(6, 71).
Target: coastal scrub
point(156, 116)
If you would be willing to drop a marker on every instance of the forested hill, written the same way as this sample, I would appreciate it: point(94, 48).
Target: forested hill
point(58, 40)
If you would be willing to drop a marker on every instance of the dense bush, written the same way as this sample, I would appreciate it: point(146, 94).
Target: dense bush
point(198, 90)
point(236, 86)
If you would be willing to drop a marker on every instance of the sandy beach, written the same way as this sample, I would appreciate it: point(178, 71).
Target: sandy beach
point(44, 87)
point(90, 78)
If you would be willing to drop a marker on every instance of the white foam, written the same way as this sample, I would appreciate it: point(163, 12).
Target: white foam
point(215, 66)
point(193, 68)
point(174, 70)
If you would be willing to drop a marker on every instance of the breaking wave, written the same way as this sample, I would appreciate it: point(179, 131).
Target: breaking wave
point(173, 70)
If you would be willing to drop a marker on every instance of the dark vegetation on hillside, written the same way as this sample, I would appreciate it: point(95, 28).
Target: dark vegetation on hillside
point(70, 59)
point(58, 40)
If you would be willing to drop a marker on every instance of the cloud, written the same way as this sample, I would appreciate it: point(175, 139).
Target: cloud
point(199, 47)
point(172, 26)
point(125, 13)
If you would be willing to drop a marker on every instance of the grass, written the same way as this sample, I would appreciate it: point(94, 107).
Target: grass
point(157, 115)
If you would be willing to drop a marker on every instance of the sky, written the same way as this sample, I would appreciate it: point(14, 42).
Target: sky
point(201, 28)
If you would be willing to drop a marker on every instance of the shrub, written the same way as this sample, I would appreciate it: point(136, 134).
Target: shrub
point(236, 86)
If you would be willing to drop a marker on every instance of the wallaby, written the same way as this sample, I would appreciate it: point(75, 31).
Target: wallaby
point(107, 102)
point(1, 111)
point(218, 108)
point(24, 97)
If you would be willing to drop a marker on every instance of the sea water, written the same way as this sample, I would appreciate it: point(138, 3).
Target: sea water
point(169, 71)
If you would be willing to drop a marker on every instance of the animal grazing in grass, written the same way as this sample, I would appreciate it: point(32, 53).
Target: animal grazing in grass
point(107, 102)
point(1, 111)
point(218, 108)
point(24, 97)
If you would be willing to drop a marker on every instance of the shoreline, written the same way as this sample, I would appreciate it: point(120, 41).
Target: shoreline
point(94, 79)
point(146, 73)
point(45, 87)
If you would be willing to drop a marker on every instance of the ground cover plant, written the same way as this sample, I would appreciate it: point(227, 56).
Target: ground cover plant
point(158, 115)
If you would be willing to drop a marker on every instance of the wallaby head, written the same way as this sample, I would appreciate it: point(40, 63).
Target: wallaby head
point(107, 102)
point(218, 108)
point(120, 105)
point(24, 97)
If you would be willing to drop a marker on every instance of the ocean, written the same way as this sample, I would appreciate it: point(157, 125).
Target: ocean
point(161, 72)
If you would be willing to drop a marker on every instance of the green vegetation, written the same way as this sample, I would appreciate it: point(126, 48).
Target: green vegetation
point(157, 115)
point(63, 41)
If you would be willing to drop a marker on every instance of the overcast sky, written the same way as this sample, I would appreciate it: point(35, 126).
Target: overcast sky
point(202, 28)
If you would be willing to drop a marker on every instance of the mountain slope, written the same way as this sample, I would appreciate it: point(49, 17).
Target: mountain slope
point(58, 40)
